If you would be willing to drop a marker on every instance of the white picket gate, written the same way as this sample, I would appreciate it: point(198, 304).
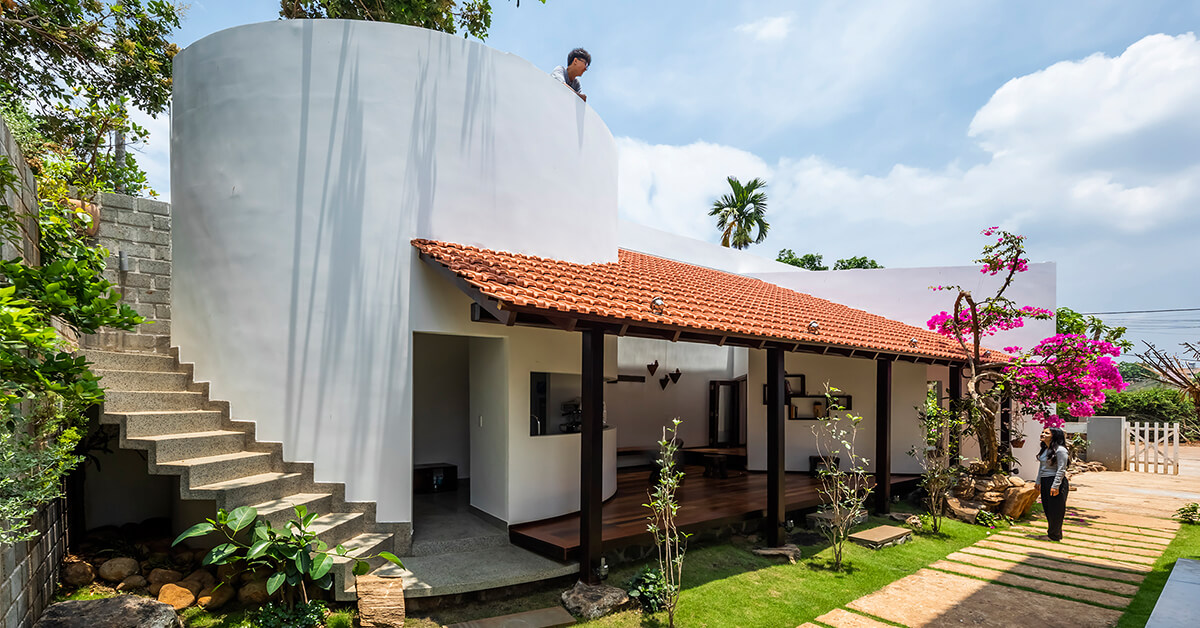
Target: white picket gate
point(1152, 447)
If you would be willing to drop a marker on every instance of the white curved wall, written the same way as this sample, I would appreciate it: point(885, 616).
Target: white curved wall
point(305, 156)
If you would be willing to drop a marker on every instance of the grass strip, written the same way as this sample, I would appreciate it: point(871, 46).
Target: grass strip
point(1185, 545)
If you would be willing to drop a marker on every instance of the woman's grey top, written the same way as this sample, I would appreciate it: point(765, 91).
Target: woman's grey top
point(1053, 467)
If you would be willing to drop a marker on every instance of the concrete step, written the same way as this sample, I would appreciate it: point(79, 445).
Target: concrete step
point(338, 527)
point(143, 380)
point(130, 361)
point(249, 490)
point(144, 400)
point(172, 447)
point(158, 423)
point(278, 512)
point(479, 570)
point(454, 546)
point(208, 470)
point(360, 546)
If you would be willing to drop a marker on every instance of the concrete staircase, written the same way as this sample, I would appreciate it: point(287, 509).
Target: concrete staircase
point(160, 409)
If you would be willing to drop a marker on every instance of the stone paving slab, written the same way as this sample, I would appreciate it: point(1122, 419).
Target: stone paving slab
point(1046, 563)
point(1041, 586)
point(553, 617)
point(1117, 518)
point(1102, 536)
point(1144, 561)
point(1058, 573)
point(1072, 542)
point(960, 600)
point(1050, 553)
point(1104, 528)
point(881, 536)
point(1177, 604)
point(839, 618)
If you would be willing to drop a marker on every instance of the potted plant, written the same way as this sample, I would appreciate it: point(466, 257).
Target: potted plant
point(1018, 431)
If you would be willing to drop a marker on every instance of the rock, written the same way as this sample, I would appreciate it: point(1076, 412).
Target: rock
point(214, 598)
point(253, 592)
point(118, 569)
point(963, 510)
point(202, 576)
point(132, 582)
point(913, 522)
point(1018, 501)
point(164, 576)
point(1016, 482)
point(593, 602)
point(190, 585)
point(900, 516)
point(380, 602)
point(78, 574)
point(178, 597)
point(121, 611)
point(228, 572)
point(789, 551)
point(992, 499)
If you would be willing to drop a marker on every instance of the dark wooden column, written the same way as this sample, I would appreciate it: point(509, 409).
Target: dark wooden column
point(883, 436)
point(776, 503)
point(591, 457)
point(1006, 432)
point(955, 393)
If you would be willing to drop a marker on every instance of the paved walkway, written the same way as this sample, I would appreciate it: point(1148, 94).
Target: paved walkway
point(1117, 526)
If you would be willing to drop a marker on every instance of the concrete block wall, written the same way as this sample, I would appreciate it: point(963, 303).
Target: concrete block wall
point(29, 570)
point(141, 228)
point(24, 199)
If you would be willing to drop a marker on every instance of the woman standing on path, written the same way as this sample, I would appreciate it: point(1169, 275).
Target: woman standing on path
point(1052, 478)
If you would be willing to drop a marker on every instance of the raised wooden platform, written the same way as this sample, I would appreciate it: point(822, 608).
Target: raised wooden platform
point(704, 503)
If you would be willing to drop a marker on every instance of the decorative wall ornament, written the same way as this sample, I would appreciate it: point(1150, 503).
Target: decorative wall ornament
point(652, 367)
point(674, 375)
point(664, 381)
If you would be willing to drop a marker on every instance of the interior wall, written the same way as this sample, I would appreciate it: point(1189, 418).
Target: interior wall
point(441, 401)
point(488, 376)
point(909, 383)
point(121, 490)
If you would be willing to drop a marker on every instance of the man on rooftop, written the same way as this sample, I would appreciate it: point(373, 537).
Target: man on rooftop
point(578, 61)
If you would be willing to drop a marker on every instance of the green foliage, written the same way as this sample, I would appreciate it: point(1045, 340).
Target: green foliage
point(856, 262)
point(1189, 514)
point(843, 491)
point(341, 619)
point(938, 472)
point(1068, 321)
point(742, 212)
point(472, 16)
point(303, 615)
point(669, 540)
point(808, 261)
point(990, 519)
point(292, 555)
point(1154, 404)
point(650, 588)
point(1134, 372)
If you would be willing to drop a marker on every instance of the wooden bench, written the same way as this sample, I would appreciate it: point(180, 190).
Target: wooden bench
point(1176, 605)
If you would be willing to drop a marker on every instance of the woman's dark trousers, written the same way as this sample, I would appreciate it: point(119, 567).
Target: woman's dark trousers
point(1055, 507)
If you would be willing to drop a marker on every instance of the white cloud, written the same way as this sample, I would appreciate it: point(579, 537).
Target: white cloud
point(768, 28)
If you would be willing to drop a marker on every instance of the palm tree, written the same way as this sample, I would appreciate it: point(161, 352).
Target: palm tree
point(740, 213)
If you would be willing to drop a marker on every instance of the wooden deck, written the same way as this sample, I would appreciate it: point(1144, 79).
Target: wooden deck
point(704, 503)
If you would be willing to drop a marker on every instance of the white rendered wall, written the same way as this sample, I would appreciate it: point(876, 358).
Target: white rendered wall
point(489, 425)
point(305, 157)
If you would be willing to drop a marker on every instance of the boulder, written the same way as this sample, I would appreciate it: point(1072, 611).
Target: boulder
point(380, 602)
point(992, 499)
point(118, 569)
point(78, 574)
point(789, 551)
point(164, 576)
point(1019, 500)
point(253, 592)
point(962, 509)
point(190, 585)
point(1016, 481)
point(203, 577)
point(900, 516)
point(132, 582)
point(178, 597)
point(214, 598)
point(121, 611)
point(914, 522)
point(593, 602)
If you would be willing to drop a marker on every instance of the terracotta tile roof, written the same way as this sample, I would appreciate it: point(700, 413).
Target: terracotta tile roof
point(695, 298)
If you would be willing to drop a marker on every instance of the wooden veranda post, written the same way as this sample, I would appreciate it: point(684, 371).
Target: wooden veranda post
point(591, 457)
point(776, 504)
point(955, 392)
point(883, 436)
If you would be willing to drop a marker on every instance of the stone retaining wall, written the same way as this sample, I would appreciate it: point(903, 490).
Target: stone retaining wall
point(29, 570)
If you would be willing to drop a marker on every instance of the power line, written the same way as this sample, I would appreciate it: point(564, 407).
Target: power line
point(1184, 309)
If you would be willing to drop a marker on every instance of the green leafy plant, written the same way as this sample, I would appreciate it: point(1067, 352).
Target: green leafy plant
point(303, 615)
point(472, 16)
point(292, 554)
point(341, 619)
point(843, 491)
point(670, 541)
point(649, 587)
point(990, 519)
point(1189, 513)
point(938, 472)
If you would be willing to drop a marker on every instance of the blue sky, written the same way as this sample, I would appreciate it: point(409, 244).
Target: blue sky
point(895, 129)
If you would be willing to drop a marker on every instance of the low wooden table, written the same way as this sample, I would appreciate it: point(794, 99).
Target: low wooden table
point(435, 477)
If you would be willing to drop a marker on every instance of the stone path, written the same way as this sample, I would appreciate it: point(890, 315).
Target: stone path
point(1017, 577)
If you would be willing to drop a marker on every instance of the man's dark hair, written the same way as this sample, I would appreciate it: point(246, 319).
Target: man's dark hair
point(579, 53)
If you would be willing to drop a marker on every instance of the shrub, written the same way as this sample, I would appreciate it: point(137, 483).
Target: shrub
point(650, 589)
point(1154, 404)
point(989, 519)
point(303, 615)
point(1189, 513)
point(341, 619)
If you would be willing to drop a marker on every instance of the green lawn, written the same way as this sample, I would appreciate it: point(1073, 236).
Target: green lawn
point(1185, 545)
point(725, 585)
